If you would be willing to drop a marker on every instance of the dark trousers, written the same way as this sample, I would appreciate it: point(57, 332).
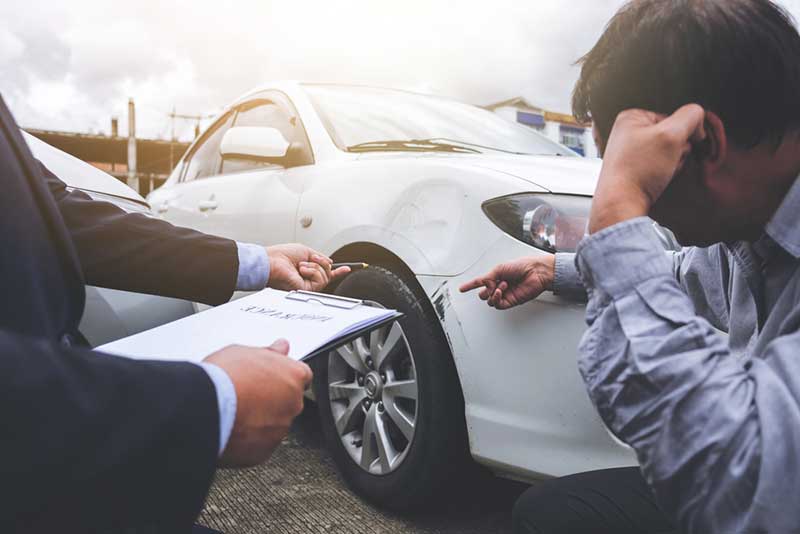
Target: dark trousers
point(612, 501)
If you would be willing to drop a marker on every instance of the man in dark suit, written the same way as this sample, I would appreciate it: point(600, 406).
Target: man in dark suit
point(90, 442)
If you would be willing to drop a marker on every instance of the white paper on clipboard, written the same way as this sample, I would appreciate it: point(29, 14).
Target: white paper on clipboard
point(309, 321)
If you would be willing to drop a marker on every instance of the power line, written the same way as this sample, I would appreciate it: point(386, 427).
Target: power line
point(173, 115)
point(187, 116)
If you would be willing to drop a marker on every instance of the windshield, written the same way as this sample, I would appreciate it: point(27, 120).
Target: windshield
point(367, 119)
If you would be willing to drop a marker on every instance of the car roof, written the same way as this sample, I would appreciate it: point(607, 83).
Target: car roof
point(290, 86)
point(76, 173)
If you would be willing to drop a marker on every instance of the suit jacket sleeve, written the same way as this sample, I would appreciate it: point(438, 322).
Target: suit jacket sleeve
point(133, 252)
point(89, 439)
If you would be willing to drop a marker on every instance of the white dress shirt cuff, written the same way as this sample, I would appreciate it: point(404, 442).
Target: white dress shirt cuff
point(226, 401)
point(253, 267)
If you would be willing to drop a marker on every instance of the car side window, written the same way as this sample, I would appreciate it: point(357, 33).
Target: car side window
point(205, 160)
point(259, 113)
point(265, 112)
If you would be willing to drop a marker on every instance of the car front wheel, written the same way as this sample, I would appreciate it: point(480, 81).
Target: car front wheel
point(390, 403)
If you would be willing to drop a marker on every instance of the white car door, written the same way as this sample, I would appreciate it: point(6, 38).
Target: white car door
point(243, 199)
point(182, 203)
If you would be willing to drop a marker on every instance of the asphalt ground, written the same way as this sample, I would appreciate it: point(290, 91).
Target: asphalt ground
point(299, 491)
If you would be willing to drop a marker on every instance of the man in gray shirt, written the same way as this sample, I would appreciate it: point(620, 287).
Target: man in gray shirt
point(696, 107)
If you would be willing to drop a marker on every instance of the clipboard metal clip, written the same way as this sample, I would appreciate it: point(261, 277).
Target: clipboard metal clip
point(334, 301)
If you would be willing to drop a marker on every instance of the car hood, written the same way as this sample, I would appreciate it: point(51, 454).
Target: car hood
point(76, 173)
point(557, 174)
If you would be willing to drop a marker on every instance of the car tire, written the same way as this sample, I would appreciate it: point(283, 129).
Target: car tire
point(436, 458)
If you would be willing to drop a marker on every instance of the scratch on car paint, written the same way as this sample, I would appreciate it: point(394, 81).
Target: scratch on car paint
point(441, 300)
point(442, 303)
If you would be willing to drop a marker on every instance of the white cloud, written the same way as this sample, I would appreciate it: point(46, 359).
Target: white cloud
point(11, 47)
point(73, 65)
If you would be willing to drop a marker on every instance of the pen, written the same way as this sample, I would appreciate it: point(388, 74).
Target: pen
point(353, 266)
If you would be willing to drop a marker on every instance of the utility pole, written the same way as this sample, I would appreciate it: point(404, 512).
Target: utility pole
point(172, 141)
point(114, 134)
point(133, 178)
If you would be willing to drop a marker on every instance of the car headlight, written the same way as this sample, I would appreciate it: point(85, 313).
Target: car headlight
point(552, 223)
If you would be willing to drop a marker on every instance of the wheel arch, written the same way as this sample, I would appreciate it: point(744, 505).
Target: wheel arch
point(375, 254)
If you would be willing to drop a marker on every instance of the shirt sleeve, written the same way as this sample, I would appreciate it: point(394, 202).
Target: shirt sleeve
point(226, 401)
point(717, 439)
point(703, 274)
point(253, 267)
point(566, 280)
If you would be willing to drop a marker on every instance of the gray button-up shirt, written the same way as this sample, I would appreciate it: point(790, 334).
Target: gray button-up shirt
point(715, 421)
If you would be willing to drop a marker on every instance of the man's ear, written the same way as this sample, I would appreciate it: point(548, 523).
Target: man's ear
point(712, 151)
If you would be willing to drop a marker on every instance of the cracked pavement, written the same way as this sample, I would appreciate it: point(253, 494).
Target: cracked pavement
point(299, 491)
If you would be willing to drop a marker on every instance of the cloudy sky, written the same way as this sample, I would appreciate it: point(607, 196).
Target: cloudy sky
point(72, 65)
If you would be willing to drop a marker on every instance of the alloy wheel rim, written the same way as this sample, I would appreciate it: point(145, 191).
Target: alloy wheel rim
point(373, 395)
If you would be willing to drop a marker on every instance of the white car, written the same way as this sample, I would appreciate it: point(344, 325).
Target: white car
point(431, 193)
point(109, 314)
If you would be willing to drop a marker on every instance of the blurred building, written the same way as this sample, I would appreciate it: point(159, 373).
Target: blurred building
point(155, 158)
point(559, 127)
point(143, 164)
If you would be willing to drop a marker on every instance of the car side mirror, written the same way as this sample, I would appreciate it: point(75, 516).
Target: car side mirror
point(254, 142)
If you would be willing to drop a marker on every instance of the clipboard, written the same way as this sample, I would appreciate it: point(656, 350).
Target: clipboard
point(334, 301)
point(346, 303)
point(313, 323)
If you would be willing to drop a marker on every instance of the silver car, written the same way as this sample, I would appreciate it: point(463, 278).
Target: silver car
point(109, 314)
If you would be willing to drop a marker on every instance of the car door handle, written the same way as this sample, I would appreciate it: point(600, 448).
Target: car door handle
point(207, 205)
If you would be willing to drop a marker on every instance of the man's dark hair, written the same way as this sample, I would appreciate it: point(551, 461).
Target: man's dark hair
point(737, 58)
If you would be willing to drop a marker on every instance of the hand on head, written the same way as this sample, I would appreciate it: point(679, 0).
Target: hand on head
point(294, 267)
point(644, 152)
point(269, 395)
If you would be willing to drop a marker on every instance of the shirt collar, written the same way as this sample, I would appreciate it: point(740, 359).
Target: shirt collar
point(783, 228)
